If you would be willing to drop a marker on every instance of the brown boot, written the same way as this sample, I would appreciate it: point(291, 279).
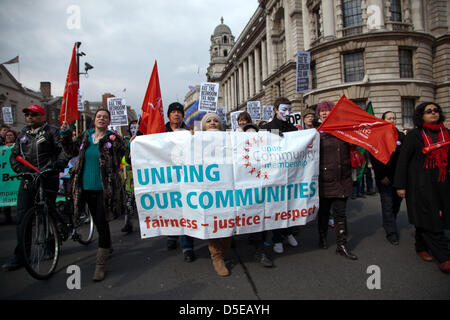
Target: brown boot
point(219, 266)
point(341, 240)
point(216, 249)
point(100, 267)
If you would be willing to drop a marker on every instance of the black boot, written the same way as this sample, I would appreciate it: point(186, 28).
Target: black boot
point(262, 255)
point(128, 227)
point(341, 240)
point(323, 243)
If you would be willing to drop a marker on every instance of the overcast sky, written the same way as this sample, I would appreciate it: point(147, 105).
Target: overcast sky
point(121, 39)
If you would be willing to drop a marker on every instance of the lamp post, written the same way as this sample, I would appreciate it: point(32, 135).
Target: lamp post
point(87, 67)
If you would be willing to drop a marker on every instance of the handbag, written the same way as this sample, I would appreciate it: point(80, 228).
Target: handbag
point(356, 158)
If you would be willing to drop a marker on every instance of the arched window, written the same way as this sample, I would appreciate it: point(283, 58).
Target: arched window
point(225, 53)
point(225, 39)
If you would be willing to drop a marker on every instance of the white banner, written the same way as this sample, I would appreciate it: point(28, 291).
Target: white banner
point(216, 184)
point(117, 107)
point(254, 109)
point(209, 94)
point(7, 115)
point(303, 62)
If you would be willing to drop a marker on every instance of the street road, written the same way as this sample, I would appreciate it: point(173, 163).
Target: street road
point(144, 269)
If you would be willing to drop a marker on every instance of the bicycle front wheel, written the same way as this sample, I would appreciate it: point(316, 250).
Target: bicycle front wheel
point(40, 244)
point(85, 227)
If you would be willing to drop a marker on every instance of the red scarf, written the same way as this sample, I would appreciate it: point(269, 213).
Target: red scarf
point(436, 153)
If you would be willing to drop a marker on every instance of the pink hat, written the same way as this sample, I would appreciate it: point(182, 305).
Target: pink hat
point(35, 108)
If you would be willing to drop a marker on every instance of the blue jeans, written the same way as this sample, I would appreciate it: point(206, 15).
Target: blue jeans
point(186, 242)
point(390, 206)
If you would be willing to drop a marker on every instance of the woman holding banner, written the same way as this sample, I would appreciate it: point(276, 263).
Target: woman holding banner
point(218, 248)
point(422, 177)
point(335, 185)
point(96, 179)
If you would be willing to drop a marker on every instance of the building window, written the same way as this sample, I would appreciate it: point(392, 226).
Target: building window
point(408, 113)
point(353, 66)
point(360, 103)
point(406, 63)
point(317, 19)
point(313, 75)
point(225, 39)
point(396, 10)
point(225, 53)
point(352, 16)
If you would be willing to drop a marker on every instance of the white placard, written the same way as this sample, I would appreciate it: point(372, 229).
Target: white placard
point(222, 113)
point(296, 119)
point(217, 184)
point(233, 119)
point(303, 62)
point(80, 101)
point(267, 113)
point(117, 107)
point(7, 115)
point(209, 94)
point(254, 109)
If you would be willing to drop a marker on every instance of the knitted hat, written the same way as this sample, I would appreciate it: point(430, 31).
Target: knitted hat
point(308, 111)
point(209, 116)
point(176, 106)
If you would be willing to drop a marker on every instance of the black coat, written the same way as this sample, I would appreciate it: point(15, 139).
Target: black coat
point(425, 196)
point(41, 148)
point(387, 170)
point(277, 124)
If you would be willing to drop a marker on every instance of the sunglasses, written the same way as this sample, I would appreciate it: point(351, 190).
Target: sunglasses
point(31, 114)
point(430, 111)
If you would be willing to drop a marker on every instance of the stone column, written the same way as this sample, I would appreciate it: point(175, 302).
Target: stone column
point(232, 92)
point(417, 15)
point(328, 20)
point(245, 66)
point(306, 26)
point(257, 71)
point(288, 30)
point(270, 52)
point(251, 75)
point(241, 84)
point(264, 59)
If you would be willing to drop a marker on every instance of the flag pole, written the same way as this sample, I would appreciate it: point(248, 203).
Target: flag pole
point(18, 67)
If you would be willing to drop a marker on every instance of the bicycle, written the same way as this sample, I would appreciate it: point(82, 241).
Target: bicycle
point(44, 229)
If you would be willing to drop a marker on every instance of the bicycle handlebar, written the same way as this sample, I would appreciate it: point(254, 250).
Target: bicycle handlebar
point(33, 175)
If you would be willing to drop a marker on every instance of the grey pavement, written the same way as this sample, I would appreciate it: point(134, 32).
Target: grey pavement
point(144, 269)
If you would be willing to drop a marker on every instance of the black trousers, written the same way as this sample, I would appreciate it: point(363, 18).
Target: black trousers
point(434, 242)
point(338, 205)
point(94, 200)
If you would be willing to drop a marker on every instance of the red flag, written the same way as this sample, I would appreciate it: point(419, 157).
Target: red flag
point(69, 104)
point(152, 108)
point(350, 123)
point(13, 60)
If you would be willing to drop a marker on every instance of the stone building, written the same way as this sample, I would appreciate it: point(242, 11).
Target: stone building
point(13, 94)
point(394, 53)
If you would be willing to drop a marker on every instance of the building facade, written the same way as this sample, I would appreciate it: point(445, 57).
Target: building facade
point(394, 53)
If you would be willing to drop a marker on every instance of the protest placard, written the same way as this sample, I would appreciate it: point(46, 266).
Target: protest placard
point(209, 94)
point(303, 61)
point(222, 113)
point(117, 107)
point(7, 115)
point(254, 109)
point(233, 119)
point(267, 113)
point(8, 187)
point(296, 119)
point(217, 184)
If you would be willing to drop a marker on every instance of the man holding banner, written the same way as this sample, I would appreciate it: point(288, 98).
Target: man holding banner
point(39, 144)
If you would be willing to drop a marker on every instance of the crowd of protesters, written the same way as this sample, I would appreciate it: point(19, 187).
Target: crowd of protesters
point(417, 171)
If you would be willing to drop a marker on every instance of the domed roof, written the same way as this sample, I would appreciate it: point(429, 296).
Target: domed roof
point(222, 29)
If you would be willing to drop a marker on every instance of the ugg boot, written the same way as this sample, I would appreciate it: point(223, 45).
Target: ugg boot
point(216, 249)
point(341, 240)
point(100, 267)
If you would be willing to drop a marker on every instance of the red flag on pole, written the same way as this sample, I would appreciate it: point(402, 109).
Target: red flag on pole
point(13, 60)
point(350, 123)
point(152, 120)
point(69, 105)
